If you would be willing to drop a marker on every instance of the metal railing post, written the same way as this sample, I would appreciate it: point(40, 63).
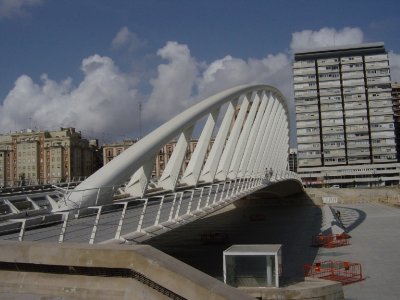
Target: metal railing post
point(172, 208)
point(120, 223)
point(190, 202)
point(139, 228)
point(159, 211)
point(95, 225)
point(63, 228)
point(22, 230)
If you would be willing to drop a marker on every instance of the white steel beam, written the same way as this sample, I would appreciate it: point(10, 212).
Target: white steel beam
point(258, 169)
point(192, 172)
point(227, 155)
point(252, 138)
point(260, 134)
point(169, 177)
point(210, 168)
point(137, 185)
point(244, 136)
point(266, 161)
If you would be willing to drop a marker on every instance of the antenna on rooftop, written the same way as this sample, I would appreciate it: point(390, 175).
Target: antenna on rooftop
point(140, 119)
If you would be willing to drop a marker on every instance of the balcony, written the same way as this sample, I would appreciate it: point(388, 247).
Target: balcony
point(304, 71)
point(379, 57)
point(303, 64)
point(351, 59)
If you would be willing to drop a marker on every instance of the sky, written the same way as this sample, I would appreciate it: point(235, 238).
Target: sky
point(91, 64)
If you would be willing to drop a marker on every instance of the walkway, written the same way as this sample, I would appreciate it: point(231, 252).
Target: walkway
point(375, 244)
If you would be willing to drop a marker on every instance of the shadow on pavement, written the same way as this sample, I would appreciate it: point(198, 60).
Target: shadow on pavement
point(258, 219)
point(351, 217)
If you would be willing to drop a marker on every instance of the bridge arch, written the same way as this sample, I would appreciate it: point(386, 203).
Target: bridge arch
point(253, 137)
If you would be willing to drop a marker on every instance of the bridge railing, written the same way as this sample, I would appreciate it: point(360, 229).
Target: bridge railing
point(136, 220)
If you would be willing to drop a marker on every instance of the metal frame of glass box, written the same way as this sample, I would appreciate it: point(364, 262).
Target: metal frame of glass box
point(253, 265)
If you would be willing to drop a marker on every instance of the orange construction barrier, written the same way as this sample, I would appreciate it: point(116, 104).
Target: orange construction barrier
point(342, 271)
point(331, 241)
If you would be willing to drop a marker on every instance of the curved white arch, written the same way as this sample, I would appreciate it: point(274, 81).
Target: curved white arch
point(247, 143)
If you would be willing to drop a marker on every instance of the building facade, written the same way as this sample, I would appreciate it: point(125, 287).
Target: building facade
point(112, 150)
point(396, 115)
point(39, 157)
point(292, 160)
point(344, 116)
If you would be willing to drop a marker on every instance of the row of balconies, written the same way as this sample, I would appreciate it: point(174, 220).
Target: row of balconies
point(306, 78)
point(308, 139)
point(355, 105)
point(332, 106)
point(374, 111)
point(304, 71)
point(378, 80)
point(307, 116)
point(307, 101)
point(379, 89)
point(306, 108)
point(377, 73)
point(379, 95)
point(329, 76)
point(353, 74)
point(313, 146)
point(331, 99)
point(376, 65)
point(352, 67)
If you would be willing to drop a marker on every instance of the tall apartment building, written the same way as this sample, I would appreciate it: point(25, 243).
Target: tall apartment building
point(396, 111)
point(344, 116)
point(30, 157)
point(112, 150)
point(292, 160)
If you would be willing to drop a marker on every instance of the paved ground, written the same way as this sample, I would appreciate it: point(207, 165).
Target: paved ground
point(375, 243)
point(256, 221)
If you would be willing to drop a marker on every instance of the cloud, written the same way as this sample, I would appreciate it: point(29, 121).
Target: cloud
point(16, 8)
point(104, 101)
point(326, 37)
point(127, 39)
point(394, 60)
point(107, 99)
point(172, 88)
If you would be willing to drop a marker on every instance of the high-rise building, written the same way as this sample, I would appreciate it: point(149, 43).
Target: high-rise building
point(396, 111)
point(344, 116)
point(292, 160)
point(37, 157)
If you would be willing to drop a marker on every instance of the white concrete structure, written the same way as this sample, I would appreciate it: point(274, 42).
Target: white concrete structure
point(247, 143)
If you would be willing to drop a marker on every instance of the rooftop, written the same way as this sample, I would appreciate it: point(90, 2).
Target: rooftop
point(344, 50)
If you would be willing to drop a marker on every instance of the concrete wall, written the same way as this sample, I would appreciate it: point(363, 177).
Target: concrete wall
point(160, 268)
point(390, 195)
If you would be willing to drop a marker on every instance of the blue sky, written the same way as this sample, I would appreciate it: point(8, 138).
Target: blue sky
point(88, 63)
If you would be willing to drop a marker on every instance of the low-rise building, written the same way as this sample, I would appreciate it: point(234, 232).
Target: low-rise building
point(112, 150)
point(37, 157)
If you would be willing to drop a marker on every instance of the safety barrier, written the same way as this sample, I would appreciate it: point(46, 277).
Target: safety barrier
point(341, 271)
point(331, 241)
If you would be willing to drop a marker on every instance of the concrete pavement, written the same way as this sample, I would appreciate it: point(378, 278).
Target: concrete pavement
point(375, 243)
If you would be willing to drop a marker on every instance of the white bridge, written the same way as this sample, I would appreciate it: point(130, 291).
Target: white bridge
point(249, 130)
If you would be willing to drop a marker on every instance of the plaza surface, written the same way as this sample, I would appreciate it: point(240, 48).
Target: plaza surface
point(375, 242)
point(374, 228)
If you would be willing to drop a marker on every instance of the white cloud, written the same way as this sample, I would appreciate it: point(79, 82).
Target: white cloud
point(394, 60)
point(13, 8)
point(326, 37)
point(127, 39)
point(172, 89)
point(105, 101)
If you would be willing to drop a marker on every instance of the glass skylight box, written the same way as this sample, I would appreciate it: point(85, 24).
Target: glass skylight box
point(252, 265)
